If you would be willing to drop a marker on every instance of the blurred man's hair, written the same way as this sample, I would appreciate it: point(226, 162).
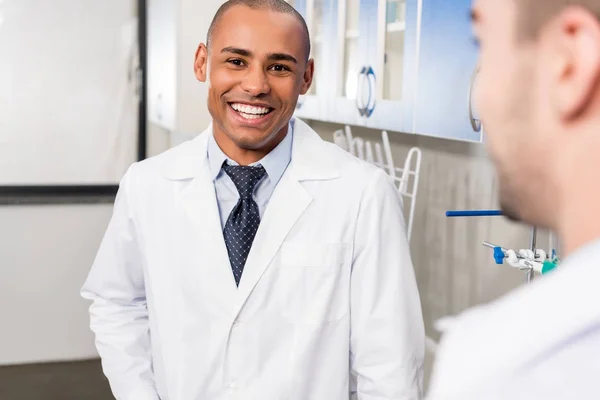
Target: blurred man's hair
point(279, 6)
point(534, 14)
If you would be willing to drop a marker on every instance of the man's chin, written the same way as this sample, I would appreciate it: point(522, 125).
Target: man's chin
point(250, 139)
point(255, 139)
point(510, 212)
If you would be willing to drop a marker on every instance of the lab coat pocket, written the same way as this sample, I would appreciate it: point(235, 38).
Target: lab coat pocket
point(318, 279)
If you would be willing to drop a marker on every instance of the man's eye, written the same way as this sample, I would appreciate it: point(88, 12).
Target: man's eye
point(236, 62)
point(280, 68)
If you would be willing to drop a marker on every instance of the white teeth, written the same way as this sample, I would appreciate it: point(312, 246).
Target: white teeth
point(250, 111)
point(251, 116)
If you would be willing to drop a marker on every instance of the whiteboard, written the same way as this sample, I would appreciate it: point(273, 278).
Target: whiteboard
point(68, 102)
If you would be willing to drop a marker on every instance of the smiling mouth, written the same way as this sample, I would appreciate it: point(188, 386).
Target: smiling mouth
point(250, 112)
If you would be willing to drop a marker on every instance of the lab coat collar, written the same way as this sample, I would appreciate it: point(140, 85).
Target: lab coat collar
point(311, 160)
point(309, 156)
point(275, 163)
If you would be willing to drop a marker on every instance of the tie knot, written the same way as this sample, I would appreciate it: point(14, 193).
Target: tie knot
point(245, 178)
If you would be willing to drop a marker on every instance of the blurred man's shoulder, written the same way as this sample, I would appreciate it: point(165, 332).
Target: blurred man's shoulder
point(525, 327)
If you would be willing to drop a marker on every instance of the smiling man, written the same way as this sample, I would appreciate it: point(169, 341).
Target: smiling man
point(257, 261)
point(539, 98)
point(254, 86)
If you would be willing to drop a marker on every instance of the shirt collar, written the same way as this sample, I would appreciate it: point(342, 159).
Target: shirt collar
point(216, 157)
point(275, 163)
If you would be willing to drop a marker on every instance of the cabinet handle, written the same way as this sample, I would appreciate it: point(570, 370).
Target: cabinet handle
point(370, 107)
point(475, 123)
point(359, 90)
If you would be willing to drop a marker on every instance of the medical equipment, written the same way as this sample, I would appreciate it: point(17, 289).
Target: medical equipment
point(525, 259)
point(380, 155)
point(530, 260)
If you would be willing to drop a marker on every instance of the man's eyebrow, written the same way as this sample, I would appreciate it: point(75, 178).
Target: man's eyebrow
point(281, 57)
point(270, 57)
point(238, 51)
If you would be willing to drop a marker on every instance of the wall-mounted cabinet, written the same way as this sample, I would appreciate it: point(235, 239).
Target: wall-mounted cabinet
point(399, 65)
point(364, 52)
point(447, 73)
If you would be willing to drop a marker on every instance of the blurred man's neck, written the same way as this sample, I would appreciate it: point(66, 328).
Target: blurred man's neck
point(579, 226)
point(578, 219)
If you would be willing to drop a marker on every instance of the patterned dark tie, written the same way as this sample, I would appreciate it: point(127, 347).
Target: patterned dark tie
point(242, 224)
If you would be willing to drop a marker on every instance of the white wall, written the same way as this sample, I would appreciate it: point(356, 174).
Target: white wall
point(195, 18)
point(177, 101)
point(45, 255)
point(46, 251)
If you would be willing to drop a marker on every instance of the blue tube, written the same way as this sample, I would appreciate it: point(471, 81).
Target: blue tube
point(474, 213)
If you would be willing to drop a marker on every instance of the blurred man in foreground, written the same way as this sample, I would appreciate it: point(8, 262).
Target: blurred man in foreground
point(540, 104)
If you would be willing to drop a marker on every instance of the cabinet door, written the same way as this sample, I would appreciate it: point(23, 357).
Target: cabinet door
point(336, 48)
point(377, 39)
point(390, 37)
point(446, 72)
point(347, 64)
point(365, 62)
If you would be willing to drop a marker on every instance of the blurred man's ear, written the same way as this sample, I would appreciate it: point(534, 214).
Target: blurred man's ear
point(576, 56)
point(201, 62)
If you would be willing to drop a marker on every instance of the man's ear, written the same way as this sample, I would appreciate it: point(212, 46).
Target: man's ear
point(201, 62)
point(308, 76)
point(576, 56)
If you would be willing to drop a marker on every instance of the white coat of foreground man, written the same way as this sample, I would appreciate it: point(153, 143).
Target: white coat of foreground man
point(539, 98)
point(326, 304)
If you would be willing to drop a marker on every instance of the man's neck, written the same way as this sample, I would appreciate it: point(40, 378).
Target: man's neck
point(242, 156)
point(577, 193)
point(579, 223)
point(246, 156)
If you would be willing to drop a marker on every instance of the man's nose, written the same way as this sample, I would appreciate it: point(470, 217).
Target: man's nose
point(256, 82)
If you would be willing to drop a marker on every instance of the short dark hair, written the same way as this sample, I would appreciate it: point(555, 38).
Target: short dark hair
point(272, 5)
point(534, 14)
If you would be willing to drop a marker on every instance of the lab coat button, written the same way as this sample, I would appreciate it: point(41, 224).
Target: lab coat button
point(232, 387)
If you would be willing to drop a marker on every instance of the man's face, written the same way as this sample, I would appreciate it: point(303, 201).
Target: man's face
point(511, 109)
point(257, 68)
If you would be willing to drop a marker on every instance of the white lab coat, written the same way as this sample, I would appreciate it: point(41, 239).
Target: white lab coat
point(327, 303)
point(540, 342)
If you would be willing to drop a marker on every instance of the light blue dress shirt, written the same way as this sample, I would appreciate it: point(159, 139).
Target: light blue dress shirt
point(275, 163)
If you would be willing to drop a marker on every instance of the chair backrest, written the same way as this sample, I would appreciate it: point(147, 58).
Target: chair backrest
point(405, 179)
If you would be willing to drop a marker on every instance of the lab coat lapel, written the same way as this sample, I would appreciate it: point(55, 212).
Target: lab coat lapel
point(200, 205)
point(287, 204)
